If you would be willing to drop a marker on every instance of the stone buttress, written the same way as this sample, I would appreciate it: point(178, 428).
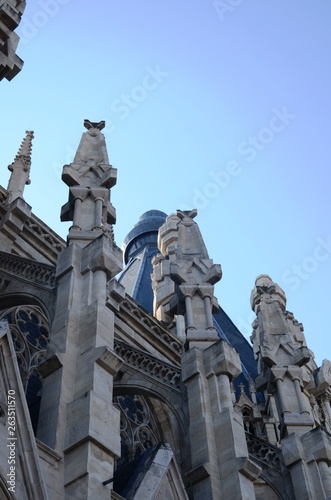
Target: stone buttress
point(297, 392)
point(183, 280)
point(77, 418)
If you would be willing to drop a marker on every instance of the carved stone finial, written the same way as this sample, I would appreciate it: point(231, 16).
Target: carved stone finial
point(20, 168)
point(183, 214)
point(90, 178)
point(251, 384)
point(24, 151)
point(264, 286)
point(99, 125)
point(186, 263)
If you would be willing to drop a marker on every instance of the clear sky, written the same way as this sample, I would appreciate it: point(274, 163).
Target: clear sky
point(223, 106)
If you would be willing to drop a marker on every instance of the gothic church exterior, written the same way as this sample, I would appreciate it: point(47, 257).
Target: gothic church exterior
point(131, 382)
point(136, 384)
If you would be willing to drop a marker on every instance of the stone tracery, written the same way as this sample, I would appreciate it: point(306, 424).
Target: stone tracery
point(138, 427)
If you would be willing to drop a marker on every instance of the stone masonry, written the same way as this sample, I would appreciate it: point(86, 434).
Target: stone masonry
point(117, 401)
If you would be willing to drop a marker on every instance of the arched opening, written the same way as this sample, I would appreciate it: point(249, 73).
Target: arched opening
point(248, 420)
point(139, 429)
point(30, 331)
point(146, 423)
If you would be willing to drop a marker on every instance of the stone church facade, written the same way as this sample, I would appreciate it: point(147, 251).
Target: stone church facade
point(134, 383)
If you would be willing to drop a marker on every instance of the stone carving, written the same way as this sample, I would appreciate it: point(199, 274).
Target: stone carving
point(38, 273)
point(278, 337)
point(167, 374)
point(323, 376)
point(90, 178)
point(20, 168)
point(183, 277)
point(45, 235)
point(263, 451)
point(149, 321)
point(285, 363)
point(138, 428)
point(10, 16)
point(30, 331)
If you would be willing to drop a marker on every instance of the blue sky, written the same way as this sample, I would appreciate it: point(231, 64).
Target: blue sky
point(221, 106)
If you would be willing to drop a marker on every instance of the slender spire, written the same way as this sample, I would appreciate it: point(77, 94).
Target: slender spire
point(183, 278)
point(20, 168)
point(285, 364)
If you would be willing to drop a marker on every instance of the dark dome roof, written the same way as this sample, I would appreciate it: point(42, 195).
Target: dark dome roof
point(148, 224)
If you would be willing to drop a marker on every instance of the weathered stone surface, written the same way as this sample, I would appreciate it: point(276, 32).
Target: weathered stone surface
point(10, 16)
point(185, 262)
point(119, 383)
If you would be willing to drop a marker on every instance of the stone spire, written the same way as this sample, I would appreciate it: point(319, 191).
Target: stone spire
point(297, 392)
point(20, 168)
point(77, 418)
point(285, 364)
point(183, 278)
point(89, 177)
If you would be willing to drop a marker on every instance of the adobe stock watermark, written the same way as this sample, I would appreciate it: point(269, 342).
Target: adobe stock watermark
point(123, 105)
point(248, 149)
point(29, 28)
point(11, 441)
point(223, 7)
point(245, 325)
point(69, 157)
point(309, 265)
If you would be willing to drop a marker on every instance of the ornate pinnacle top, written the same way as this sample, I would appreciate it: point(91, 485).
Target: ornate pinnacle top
point(91, 164)
point(24, 152)
point(99, 125)
point(264, 286)
point(90, 178)
point(20, 169)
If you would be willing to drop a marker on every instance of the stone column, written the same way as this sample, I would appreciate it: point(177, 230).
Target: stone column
point(209, 316)
point(98, 212)
point(237, 472)
point(325, 473)
point(204, 473)
point(189, 313)
point(225, 393)
point(308, 458)
point(279, 374)
point(76, 218)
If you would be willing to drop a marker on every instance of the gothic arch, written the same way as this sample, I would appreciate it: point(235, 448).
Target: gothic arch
point(23, 299)
point(140, 386)
point(248, 419)
point(270, 490)
point(30, 330)
point(168, 414)
point(139, 429)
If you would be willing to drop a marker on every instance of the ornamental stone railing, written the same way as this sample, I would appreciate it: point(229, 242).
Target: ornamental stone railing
point(41, 274)
point(146, 319)
point(139, 360)
point(263, 452)
point(44, 233)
